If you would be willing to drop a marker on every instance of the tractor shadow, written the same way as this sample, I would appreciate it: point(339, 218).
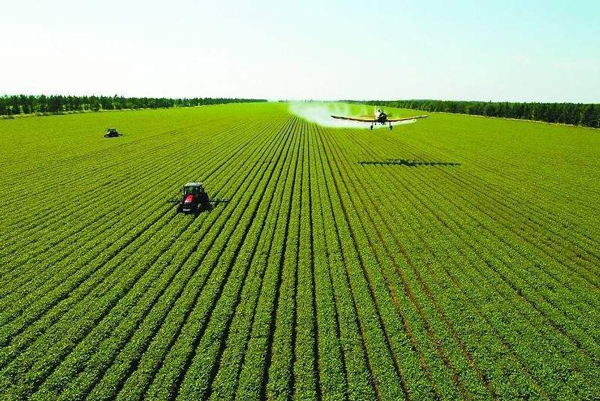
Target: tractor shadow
point(204, 209)
point(201, 210)
point(408, 163)
point(211, 206)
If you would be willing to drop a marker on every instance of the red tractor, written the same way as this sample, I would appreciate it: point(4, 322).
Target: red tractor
point(194, 199)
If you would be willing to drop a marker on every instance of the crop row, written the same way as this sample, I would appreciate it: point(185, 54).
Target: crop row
point(325, 276)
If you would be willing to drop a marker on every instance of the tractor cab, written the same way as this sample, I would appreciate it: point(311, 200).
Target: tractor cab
point(192, 188)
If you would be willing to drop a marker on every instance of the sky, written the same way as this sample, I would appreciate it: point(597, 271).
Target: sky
point(509, 50)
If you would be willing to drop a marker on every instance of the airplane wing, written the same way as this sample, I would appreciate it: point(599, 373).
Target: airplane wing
point(359, 119)
point(395, 120)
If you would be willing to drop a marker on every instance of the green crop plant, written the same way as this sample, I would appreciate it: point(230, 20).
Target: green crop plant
point(457, 257)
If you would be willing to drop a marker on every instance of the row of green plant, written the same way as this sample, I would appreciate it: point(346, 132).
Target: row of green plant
point(324, 277)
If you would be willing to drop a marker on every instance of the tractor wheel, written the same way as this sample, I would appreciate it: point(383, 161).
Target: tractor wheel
point(179, 209)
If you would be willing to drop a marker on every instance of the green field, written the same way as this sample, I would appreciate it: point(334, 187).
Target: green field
point(457, 257)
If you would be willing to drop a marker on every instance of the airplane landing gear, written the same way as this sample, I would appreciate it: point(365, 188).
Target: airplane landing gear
point(371, 127)
point(391, 127)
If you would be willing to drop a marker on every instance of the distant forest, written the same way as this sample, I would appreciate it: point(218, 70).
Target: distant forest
point(564, 113)
point(22, 104)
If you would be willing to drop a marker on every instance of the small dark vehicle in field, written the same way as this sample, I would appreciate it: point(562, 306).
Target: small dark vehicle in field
point(112, 133)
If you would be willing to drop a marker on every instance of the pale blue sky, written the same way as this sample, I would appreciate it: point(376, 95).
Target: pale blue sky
point(528, 50)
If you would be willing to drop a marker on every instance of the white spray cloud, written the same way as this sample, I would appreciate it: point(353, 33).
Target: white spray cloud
point(320, 113)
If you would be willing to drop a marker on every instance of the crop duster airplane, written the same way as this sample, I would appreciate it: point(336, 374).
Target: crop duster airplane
point(379, 117)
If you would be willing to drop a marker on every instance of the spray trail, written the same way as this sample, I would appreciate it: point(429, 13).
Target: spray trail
point(320, 113)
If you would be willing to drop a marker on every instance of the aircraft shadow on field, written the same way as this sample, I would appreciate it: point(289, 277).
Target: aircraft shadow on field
point(408, 163)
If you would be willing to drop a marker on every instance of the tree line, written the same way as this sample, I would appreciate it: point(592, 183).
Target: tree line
point(563, 113)
point(28, 104)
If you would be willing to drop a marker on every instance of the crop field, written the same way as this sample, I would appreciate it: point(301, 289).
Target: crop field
point(456, 257)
